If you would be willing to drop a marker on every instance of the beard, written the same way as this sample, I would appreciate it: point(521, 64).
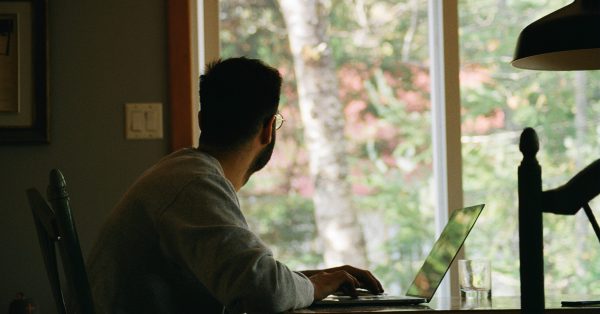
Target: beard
point(262, 159)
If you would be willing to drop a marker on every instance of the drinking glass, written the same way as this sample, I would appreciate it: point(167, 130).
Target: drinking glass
point(475, 279)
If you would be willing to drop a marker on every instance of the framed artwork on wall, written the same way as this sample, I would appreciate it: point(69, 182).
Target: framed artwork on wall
point(24, 110)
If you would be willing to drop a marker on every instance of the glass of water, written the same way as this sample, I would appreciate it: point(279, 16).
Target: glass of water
point(475, 279)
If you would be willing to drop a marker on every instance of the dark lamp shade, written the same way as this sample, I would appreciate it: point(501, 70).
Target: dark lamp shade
point(566, 39)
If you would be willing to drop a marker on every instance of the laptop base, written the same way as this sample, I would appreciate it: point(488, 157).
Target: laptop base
point(334, 300)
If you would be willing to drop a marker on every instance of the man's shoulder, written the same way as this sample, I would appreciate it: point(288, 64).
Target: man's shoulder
point(185, 169)
point(192, 161)
point(183, 166)
point(192, 174)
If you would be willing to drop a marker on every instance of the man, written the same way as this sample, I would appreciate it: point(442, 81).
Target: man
point(178, 242)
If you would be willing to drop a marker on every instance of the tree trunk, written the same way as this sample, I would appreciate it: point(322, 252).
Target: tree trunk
point(323, 119)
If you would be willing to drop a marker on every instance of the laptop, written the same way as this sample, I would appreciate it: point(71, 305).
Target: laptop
point(432, 272)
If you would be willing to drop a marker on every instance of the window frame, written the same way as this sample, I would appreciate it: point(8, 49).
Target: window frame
point(188, 21)
point(446, 120)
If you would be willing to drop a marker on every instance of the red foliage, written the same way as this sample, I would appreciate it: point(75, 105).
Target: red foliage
point(484, 124)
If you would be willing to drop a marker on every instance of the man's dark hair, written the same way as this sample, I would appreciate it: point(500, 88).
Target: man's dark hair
point(237, 96)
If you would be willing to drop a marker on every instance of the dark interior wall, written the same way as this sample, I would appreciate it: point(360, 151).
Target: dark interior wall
point(102, 55)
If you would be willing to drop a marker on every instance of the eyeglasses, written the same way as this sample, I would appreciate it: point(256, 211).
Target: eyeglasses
point(278, 120)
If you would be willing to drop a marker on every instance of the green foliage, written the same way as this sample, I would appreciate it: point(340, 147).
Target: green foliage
point(408, 226)
point(256, 29)
point(288, 220)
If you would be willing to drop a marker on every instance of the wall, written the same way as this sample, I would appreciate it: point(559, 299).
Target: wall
point(102, 54)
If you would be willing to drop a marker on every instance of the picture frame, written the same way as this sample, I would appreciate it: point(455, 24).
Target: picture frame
point(24, 108)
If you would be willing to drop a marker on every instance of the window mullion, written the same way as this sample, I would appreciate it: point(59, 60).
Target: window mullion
point(445, 111)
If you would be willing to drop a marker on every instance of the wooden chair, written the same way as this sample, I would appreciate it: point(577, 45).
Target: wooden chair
point(56, 227)
point(564, 200)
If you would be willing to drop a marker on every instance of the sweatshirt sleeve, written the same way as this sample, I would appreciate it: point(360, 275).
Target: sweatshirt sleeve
point(204, 231)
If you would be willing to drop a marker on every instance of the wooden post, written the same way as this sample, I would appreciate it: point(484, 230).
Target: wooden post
point(530, 226)
point(181, 74)
point(70, 251)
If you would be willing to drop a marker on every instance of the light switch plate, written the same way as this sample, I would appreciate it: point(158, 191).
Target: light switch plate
point(143, 121)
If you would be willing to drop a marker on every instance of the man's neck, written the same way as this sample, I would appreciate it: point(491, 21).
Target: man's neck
point(235, 164)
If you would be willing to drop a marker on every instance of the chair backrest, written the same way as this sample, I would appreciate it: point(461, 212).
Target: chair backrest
point(56, 227)
point(533, 201)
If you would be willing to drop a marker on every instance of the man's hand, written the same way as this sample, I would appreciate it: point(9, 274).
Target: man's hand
point(345, 279)
point(327, 283)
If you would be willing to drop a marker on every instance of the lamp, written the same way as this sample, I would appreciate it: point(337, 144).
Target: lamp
point(566, 39)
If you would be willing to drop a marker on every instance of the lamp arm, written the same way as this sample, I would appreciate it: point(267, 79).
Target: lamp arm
point(570, 197)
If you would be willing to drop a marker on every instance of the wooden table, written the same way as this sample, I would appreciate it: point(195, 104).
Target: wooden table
point(497, 305)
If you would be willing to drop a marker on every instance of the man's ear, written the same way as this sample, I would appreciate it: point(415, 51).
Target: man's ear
point(266, 132)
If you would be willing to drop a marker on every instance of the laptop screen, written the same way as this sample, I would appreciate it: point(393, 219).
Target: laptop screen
point(444, 251)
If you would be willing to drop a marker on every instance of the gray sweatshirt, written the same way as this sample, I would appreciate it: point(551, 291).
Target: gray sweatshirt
point(177, 242)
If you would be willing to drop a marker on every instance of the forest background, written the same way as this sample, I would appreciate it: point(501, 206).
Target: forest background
point(351, 178)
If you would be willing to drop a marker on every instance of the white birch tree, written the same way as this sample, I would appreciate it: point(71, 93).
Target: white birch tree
point(323, 119)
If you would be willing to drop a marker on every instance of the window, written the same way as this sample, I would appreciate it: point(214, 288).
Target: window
point(498, 101)
point(380, 66)
point(373, 133)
